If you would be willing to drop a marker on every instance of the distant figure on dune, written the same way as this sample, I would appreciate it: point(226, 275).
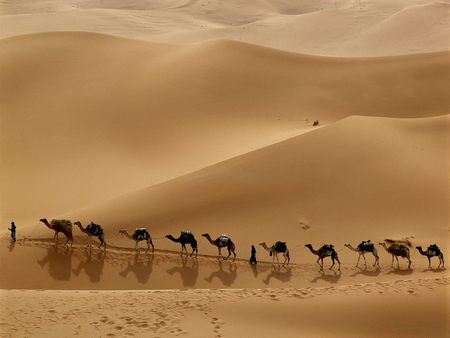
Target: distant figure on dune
point(13, 231)
point(253, 256)
point(316, 123)
point(60, 225)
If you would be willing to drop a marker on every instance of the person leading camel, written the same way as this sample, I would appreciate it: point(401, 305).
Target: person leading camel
point(13, 231)
point(223, 241)
point(432, 251)
point(253, 255)
point(363, 248)
point(275, 249)
point(327, 250)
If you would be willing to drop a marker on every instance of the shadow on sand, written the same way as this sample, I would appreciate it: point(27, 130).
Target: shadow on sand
point(400, 272)
point(226, 277)
point(330, 276)
point(366, 272)
point(141, 267)
point(188, 273)
point(281, 273)
point(59, 261)
point(92, 265)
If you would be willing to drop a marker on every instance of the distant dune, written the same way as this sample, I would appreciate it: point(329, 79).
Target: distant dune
point(84, 110)
point(322, 27)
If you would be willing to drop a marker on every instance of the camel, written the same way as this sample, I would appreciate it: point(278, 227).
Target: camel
point(186, 237)
point(327, 250)
point(432, 251)
point(364, 248)
point(93, 230)
point(221, 242)
point(140, 234)
point(275, 249)
point(397, 249)
point(60, 225)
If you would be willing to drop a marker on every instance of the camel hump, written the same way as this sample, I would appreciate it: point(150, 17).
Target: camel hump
point(224, 238)
point(280, 246)
point(434, 249)
point(366, 246)
point(62, 221)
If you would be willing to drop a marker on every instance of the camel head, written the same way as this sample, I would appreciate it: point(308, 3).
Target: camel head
point(168, 236)
point(122, 231)
point(308, 246)
point(43, 220)
point(77, 223)
point(205, 235)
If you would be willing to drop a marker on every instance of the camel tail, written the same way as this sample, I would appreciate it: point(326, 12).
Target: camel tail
point(405, 241)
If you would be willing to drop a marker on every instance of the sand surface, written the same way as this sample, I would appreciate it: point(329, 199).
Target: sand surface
point(199, 115)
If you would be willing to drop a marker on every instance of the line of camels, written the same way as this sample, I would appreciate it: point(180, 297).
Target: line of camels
point(394, 247)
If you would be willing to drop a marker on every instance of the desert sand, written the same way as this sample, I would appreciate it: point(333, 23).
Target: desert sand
point(198, 115)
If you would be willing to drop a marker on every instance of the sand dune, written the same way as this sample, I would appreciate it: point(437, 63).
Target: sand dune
point(67, 97)
point(367, 177)
point(337, 28)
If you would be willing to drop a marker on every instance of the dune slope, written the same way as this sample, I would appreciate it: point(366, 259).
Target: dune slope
point(361, 177)
point(80, 111)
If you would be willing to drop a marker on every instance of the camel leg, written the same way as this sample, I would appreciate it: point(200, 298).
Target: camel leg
point(398, 264)
point(429, 262)
point(136, 247)
point(365, 262)
point(153, 247)
point(409, 262)
point(339, 268)
point(359, 257)
point(321, 266)
point(234, 255)
point(183, 248)
point(332, 259)
point(376, 259)
point(229, 253)
point(392, 263)
point(220, 252)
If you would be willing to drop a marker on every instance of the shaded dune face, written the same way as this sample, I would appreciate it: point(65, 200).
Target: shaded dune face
point(84, 110)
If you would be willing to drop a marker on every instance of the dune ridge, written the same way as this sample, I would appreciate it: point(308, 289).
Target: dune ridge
point(208, 94)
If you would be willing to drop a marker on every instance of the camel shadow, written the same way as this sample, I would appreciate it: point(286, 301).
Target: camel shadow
point(365, 272)
point(92, 267)
point(59, 262)
point(333, 278)
point(226, 277)
point(189, 274)
point(142, 269)
point(434, 270)
point(400, 272)
point(281, 273)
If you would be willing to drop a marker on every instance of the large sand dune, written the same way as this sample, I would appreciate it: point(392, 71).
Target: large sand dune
point(84, 110)
point(324, 27)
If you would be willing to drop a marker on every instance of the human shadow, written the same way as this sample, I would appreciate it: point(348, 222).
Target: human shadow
point(93, 267)
point(366, 272)
point(59, 261)
point(324, 276)
point(282, 273)
point(189, 274)
point(11, 246)
point(254, 270)
point(226, 277)
point(141, 268)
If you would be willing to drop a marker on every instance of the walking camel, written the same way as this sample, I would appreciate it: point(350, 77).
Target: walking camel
point(60, 225)
point(140, 234)
point(186, 237)
point(432, 251)
point(327, 250)
point(363, 248)
point(275, 249)
point(93, 230)
point(397, 249)
point(223, 241)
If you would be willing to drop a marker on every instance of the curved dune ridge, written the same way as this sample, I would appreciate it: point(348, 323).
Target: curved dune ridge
point(77, 105)
point(321, 27)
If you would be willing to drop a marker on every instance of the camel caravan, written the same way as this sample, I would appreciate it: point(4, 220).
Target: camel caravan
point(396, 248)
